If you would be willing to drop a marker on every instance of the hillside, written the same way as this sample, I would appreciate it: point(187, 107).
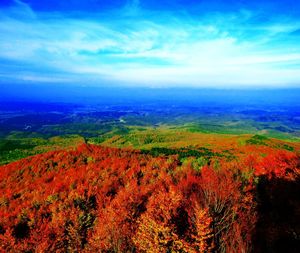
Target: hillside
point(143, 126)
point(104, 199)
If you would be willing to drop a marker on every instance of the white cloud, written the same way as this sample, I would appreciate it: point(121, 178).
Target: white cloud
point(162, 51)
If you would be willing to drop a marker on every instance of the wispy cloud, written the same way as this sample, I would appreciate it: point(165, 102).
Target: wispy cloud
point(142, 47)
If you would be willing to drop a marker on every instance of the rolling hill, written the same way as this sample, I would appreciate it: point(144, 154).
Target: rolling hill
point(154, 199)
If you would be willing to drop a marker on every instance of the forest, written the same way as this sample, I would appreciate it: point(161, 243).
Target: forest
point(110, 177)
point(96, 198)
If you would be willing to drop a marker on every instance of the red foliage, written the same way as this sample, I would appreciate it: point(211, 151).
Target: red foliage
point(279, 164)
point(98, 199)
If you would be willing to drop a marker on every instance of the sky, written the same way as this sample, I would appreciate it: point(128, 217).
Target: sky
point(147, 43)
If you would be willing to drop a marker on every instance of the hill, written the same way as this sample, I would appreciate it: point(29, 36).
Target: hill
point(105, 199)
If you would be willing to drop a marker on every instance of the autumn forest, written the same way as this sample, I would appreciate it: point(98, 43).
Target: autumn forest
point(121, 180)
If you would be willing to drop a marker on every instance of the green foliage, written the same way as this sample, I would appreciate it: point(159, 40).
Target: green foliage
point(6, 145)
point(183, 153)
point(199, 162)
point(258, 140)
point(16, 146)
point(287, 147)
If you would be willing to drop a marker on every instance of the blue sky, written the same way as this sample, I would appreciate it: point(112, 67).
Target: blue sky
point(204, 43)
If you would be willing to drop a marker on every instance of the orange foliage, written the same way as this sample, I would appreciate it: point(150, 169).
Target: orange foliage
point(98, 199)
